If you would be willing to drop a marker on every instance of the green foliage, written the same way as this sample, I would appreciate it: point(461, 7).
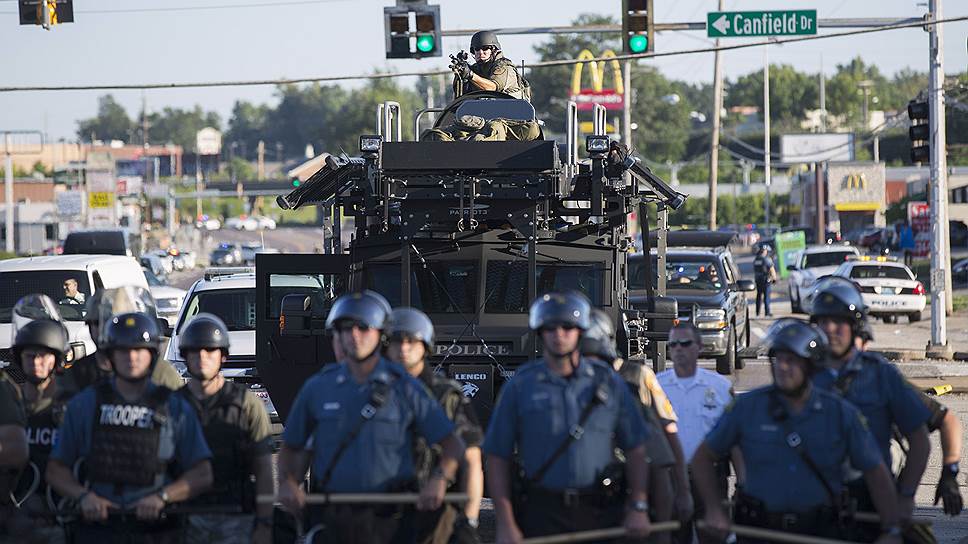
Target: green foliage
point(738, 210)
point(179, 127)
point(110, 123)
point(792, 93)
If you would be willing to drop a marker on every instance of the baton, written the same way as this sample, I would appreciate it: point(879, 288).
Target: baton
point(365, 498)
point(740, 530)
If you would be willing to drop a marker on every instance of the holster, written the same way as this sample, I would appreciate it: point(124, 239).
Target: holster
point(820, 521)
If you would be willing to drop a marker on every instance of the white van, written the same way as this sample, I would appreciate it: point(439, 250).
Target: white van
point(49, 275)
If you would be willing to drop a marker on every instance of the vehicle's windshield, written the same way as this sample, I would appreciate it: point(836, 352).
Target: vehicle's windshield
point(507, 283)
point(236, 307)
point(322, 288)
point(437, 287)
point(68, 288)
point(152, 279)
point(879, 272)
point(827, 258)
point(682, 274)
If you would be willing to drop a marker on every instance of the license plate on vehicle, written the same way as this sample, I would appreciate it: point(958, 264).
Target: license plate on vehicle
point(888, 290)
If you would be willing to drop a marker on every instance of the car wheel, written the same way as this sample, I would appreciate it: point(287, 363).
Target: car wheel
point(890, 319)
point(726, 363)
point(914, 317)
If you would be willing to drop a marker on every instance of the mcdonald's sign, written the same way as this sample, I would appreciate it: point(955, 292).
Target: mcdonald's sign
point(587, 97)
point(855, 181)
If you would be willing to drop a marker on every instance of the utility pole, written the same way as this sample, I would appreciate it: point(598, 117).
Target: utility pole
point(261, 160)
point(8, 194)
point(865, 86)
point(766, 128)
point(823, 98)
point(714, 144)
point(144, 120)
point(627, 97)
point(939, 185)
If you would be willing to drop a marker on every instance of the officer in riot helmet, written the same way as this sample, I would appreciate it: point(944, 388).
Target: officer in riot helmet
point(237, 429)
point(14, 456)
point(874, 386)
point(142, 445)
point(800, 435)
point(564, 415)
point(410, 337)
point(39, 349)
point(364, 410)
point(491, 71)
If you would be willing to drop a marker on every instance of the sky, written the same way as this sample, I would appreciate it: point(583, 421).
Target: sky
point(345, 37)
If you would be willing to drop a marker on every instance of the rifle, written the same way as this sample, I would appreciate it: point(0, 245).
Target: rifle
point(456, 65)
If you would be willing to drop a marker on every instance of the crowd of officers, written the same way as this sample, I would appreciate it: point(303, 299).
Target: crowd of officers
point(116, 449)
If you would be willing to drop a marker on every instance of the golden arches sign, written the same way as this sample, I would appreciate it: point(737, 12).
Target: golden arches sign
point(855, 181)
point(597, 71)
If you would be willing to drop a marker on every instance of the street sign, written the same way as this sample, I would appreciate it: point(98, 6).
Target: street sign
point(100, 199)
point(208, 141)
point(70, 204)
point(744, 24)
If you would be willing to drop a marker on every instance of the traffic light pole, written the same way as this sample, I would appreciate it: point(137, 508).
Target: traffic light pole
point(939, 185)
point(714, 143)
point(8, 196)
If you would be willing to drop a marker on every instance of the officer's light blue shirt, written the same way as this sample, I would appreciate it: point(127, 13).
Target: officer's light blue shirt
point(74, 441)
point(831, 430)
point(882, 395)
point(537, 409)
point(328, 407)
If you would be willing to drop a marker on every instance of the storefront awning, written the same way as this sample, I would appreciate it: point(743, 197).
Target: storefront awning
point(857, 206)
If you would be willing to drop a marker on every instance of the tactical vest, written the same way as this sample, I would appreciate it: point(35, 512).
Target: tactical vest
point(227, 435)
point(523, 89)
point(125, 444)
point(426, 456)
point(760, 270)
point(42, 432)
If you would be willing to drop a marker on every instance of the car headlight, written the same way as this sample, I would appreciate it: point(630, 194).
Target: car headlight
point(711, 318)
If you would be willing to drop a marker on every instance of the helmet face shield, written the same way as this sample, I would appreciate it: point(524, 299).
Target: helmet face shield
point(411, 323)
point(367, 308)
point(123, 300)
point(797, 337)
point(32, 308)
point(570, 309)
point(839, 297)
point(599, 339)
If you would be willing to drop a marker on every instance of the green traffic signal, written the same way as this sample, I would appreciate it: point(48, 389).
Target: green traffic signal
point(638, 43)
point(296, 183)
point(425, 43)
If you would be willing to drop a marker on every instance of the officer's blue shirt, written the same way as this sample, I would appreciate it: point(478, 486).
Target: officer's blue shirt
point(182, 427)
point(328, 407)
point(884, 397)
point(537, 409)
point(831, 431)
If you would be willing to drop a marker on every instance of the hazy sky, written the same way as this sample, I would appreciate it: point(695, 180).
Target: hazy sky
point(337, 37)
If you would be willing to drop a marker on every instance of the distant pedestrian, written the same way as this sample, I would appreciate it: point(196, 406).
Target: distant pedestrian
point(765, 275)
point(907, 244)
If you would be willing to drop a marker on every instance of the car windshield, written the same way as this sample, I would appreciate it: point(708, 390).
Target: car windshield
point(507, 283)
point(69, 288)
point(866, 272)
point(321, 288)
point(436, 287)
point(236, 307)
point(682, 274)
point(827, 258)
point(152, 279)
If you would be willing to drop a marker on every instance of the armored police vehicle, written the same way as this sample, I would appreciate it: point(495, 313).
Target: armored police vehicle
point(470, 232)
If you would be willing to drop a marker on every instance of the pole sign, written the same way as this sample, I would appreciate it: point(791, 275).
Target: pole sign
point(586, 97)
point(746, 24)
point(787, 246)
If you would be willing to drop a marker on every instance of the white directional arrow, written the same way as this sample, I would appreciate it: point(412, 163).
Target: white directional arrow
point(721, 24)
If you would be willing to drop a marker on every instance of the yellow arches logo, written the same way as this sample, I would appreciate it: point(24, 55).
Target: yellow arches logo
point(855, 181)
point(586, 97)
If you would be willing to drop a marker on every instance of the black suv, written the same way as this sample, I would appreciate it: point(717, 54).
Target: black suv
point(703, 278)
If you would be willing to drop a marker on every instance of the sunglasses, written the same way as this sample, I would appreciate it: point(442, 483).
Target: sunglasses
point(485, 48)
point(680, 343)
point(348, 326)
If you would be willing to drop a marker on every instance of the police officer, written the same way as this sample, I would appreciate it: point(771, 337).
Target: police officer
point(361, 412)
point(411, 339)
point(237, 430)
point(871, 384)
point(14, 456)
point(94, 367)
point(39, 348)
point(765, 275)
point(667, 465)
point(795, 439)
point(491, 71)
point(564, 414)
point(133, 436)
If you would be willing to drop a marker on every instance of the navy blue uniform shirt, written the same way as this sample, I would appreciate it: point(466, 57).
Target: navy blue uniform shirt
point(831, 430)
point(538, 408)
point(328, 408)
point(880, 393)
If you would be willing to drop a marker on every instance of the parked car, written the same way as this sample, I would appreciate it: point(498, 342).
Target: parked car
point(959, 272)
point(958, 233)
point(208, 223)
point(168, 299)
point(265, 223)
point(811, 264)
point(97, 242)
point(242, 223)
point(889, 288)
point(226, 255)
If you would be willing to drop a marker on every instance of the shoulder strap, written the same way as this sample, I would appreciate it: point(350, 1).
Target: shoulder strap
point(600, 396)
point(379, 393)
point(795, 442)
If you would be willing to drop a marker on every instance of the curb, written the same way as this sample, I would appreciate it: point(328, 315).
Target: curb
point(901, 355)
point(959, 384)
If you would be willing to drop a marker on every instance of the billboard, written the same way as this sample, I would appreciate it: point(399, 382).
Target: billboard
point(816, 147)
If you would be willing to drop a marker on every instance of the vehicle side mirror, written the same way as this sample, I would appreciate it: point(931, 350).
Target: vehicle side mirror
point(791, 267)
point(295, 314)
point(75, 352)
point(746, 285)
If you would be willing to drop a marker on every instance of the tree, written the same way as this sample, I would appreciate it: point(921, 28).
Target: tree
point(844, 94)
point(111, 123)
point(792, 93)
point(179, 127)
point(248, 124)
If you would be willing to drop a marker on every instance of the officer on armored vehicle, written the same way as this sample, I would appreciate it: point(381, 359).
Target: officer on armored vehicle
point(491, 72)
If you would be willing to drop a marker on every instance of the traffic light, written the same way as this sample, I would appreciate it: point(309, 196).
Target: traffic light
point(46, 13)
point(637, 26)
point(920, 131)
point(296, 182)
point(412, 30)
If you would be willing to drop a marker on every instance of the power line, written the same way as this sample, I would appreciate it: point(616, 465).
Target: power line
point(542, 64)
point(196, 8)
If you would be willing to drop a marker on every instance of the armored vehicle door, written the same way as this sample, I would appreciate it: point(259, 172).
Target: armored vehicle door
point(293, 296)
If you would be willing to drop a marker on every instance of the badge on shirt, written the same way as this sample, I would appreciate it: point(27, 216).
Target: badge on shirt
point(331, 406)
point(709, 401)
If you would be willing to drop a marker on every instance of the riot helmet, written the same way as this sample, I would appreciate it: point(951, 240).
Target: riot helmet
point(799, 338)
point(484, 38)
point(42, 333)
point(599, 339)
point(570, 309)
point(368, 308)
point(838, 297)
point(131, 331)
point(411, 323)
point(204, 331)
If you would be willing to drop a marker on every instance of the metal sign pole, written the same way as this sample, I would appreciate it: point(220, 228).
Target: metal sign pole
point(8, 195)
point(939, 185)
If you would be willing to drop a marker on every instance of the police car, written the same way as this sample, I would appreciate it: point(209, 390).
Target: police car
point(811, 264)
point(228, 293)
point(889, 288)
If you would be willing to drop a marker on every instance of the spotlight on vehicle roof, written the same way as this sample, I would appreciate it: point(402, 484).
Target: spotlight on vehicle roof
point(370, 144)
point(596, 144)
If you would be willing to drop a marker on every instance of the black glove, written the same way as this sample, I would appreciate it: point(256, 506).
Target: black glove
point(462, 70)
point(947, 491)
point(464, 533)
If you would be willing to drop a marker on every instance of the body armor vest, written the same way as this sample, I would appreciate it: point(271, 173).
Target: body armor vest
point(42, 432)
point(126, 441)
point(227, 435)
point(448, 396)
